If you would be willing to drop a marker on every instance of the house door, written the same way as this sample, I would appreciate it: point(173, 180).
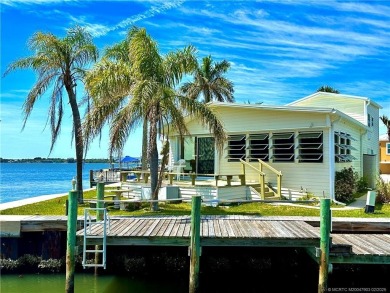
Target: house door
point(205, 155)
point(199, 154)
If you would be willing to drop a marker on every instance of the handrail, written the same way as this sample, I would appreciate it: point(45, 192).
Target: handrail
point(270, 167)
point(278, 174)
point(261, 176)
point(254, 168)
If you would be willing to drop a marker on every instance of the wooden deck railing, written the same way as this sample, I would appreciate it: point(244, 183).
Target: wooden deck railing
point(261, 176)
point(276, 172)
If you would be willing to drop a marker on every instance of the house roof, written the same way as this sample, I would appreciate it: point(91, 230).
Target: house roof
point(290, 109)
point(338, 95)
point(384, 137)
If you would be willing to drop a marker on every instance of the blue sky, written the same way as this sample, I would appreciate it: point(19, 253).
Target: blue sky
point(279, 51)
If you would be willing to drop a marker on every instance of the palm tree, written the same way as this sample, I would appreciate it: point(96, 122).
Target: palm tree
point(111, 77)
point(153, 95)
point(327, 89)
point(59, 63)
point(386, 122)
point(210, 83)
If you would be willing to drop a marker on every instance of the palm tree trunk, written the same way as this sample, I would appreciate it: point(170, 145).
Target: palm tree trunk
point(153, 155)
point(144, 159)
point(79, 145)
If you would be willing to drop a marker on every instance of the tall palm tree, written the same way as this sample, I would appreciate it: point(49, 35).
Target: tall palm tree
point(386, 122)
point(111, 77)
point(209, 82)
point(153, 95)
point(327, 89)
point(59, 63)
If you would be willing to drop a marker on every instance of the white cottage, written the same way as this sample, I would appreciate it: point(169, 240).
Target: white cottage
point(307, 140)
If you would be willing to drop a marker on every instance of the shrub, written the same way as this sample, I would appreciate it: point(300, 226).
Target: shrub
point(362, 184)
point(29, 263)
point(383, 191)
point(345, 185)
point(50, 265)
point(8, 265)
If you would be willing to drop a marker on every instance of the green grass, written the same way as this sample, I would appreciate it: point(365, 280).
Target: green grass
point(57, 207)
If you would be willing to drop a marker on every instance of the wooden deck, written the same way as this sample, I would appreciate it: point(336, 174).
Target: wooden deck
point(244, 231)
point(365, 248)
point(215, 231)
point(277, 231)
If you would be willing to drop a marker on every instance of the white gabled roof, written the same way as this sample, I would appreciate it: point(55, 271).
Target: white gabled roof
point(336, 95)
point(289, 109)
point(384, 137)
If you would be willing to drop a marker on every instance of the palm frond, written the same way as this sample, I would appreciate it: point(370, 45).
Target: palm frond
point(36, 92)
point(56, 112)
point(126, 121)
point(207, 117)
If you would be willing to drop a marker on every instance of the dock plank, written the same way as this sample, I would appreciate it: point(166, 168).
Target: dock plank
point(163, 227)
point(364, 242)
point(157, 229)
point(134, 222)
point(242, 231)
point(170, 227)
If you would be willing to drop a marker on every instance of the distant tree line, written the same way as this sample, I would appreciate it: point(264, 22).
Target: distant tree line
point(52, 160)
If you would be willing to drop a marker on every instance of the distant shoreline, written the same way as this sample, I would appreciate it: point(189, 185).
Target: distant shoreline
point(55, 160)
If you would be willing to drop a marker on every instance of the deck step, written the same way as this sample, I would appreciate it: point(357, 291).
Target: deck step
point(94, 265)
point(94, 250)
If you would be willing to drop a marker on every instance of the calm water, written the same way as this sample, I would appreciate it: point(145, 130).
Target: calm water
point(85, 283)
point(25, 180)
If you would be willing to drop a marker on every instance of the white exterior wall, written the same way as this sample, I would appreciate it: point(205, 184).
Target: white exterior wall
point(316, 178)
point(253, 120)
point(355, 132)
point(353, 107)
point(371, 138)
point(311, 176)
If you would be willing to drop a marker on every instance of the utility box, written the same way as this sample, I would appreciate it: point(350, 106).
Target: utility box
point(171, 192)
point(146, 192)
point(370, 202)
point(167, 192)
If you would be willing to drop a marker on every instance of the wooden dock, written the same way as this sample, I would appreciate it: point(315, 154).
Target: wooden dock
point(249, 231)
point(363, 240)
point(215, 231)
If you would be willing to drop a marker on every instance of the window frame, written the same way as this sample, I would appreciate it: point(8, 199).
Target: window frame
point(233, 149)
point(280, 147)
point(343, 147)
point(260, 149)
point(310, 146)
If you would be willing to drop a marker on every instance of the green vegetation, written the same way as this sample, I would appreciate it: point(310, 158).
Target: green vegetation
point(327, 89)
point(209, 82)
point(348, 185)
point(345, 185)
point(151, 80)
point(383, 191)
point(59, 64)
point(57, 207)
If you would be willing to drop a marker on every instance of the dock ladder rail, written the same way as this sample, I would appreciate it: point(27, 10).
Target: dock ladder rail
point(92, 231)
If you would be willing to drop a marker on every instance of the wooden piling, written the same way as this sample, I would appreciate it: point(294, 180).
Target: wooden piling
point(71, 241)
point(195, 249)
point(325, 223)
point(123, 176)
point(99, 217)
point(91, 179)
point(100, 198)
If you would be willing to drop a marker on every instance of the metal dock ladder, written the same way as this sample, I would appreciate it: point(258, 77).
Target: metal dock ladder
point(95, 230)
